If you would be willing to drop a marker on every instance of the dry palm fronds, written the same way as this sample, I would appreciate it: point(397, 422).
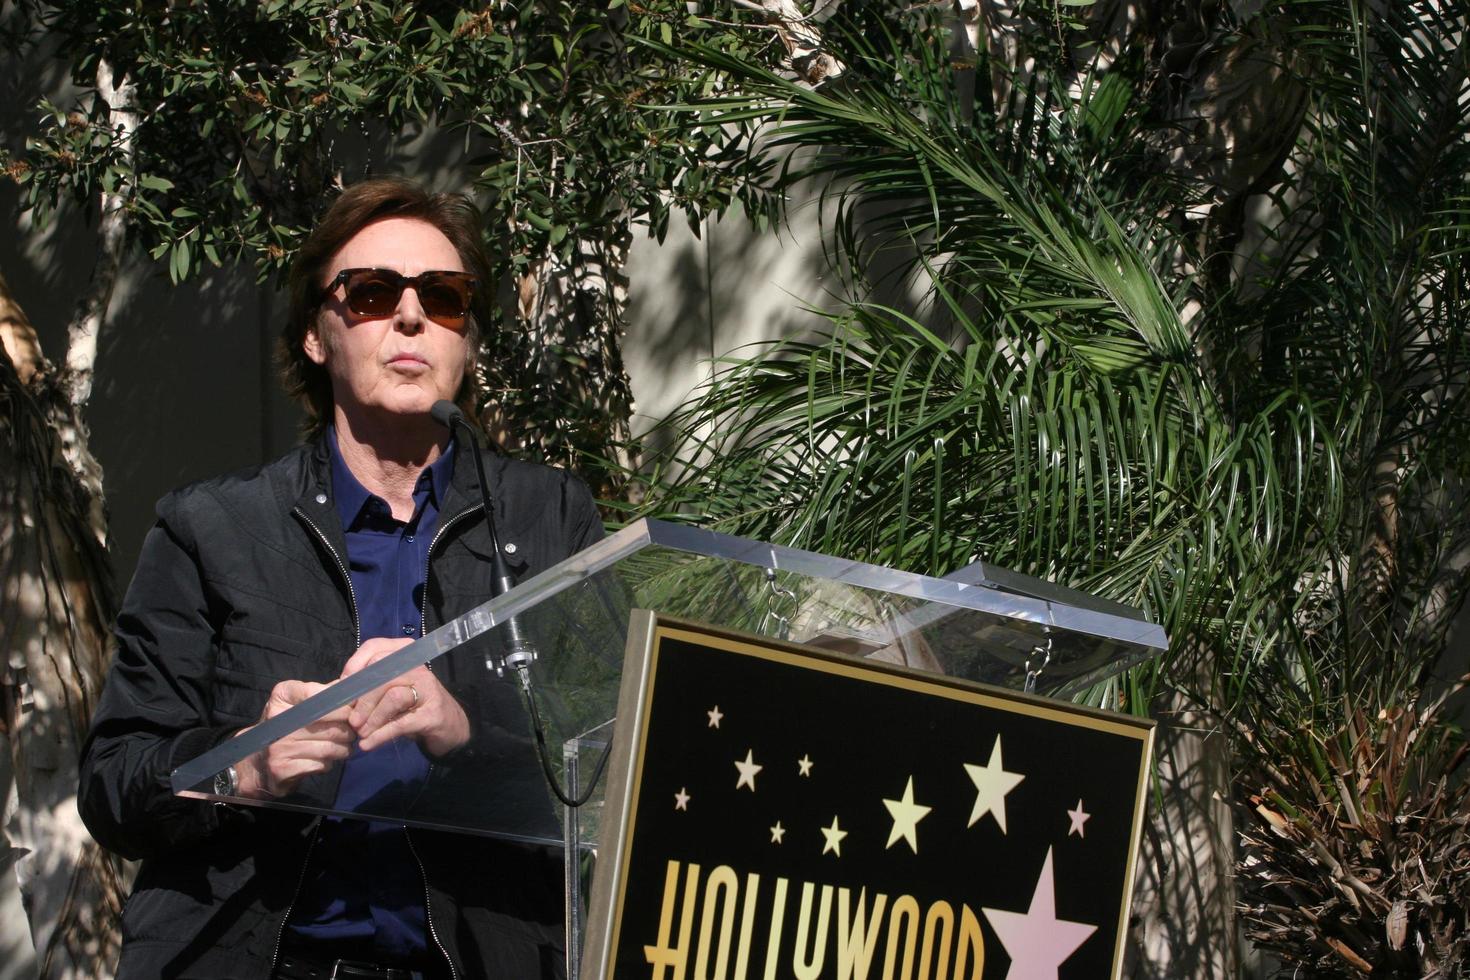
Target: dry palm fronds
point(1356, 846)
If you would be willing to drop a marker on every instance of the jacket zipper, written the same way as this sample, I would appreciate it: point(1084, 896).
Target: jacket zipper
point(315, 831)
point(428, 912)
point(341, 567)
point(296, 893)
point(423, 629)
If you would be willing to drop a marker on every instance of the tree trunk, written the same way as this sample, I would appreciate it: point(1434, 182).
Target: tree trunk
point(58, 602)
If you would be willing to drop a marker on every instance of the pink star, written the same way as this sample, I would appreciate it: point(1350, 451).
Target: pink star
point(1037, 941)
point(1078, 817)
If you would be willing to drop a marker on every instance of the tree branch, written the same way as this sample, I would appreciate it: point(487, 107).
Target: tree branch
point(86, 325)
point(802, 41)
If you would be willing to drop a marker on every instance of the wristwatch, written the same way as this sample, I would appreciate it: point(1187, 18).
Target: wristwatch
point(226, 783)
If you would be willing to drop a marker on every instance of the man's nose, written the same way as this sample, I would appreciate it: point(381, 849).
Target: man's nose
point(409, 316)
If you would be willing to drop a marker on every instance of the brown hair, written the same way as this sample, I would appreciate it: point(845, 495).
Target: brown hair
point(454, 215)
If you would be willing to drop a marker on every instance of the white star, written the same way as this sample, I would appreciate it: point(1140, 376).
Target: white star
point(906, 815)
point(834, 835)
point(992, 783)
point(777, 832)
point(1079, 817)
point(681, 800)
point(715, 714)
point(748, 769)
point(1037, 941)
point(805, 765)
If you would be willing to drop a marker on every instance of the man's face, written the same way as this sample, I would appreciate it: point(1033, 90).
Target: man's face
point(402, 362)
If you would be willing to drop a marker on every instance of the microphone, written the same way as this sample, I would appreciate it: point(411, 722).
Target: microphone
point(446, 413)
point(520, 653)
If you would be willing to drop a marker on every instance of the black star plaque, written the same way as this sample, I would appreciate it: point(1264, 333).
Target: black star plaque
point(856, 819)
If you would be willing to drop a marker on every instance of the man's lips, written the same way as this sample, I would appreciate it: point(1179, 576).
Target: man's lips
point(407, 360)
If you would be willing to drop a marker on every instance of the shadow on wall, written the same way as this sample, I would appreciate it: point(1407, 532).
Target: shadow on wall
point(694, 300)
point(184, 385)
point(1183, 897)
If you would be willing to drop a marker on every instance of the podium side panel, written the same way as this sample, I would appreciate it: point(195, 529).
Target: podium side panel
point(618, 801)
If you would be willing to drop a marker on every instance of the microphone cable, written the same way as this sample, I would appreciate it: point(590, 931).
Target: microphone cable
point(520, 653)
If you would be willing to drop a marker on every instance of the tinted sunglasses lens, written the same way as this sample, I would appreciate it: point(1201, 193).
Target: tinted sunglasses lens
point(444, 297)
point(373, 293)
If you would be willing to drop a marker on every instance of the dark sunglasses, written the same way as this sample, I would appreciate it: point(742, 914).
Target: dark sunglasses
point(444, 296)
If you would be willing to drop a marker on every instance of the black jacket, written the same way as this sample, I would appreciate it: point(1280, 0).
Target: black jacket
point(242, 583)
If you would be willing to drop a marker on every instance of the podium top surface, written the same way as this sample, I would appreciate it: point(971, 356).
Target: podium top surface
point(981, 623)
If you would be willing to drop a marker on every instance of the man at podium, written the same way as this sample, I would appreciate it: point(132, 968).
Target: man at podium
point(256, 589)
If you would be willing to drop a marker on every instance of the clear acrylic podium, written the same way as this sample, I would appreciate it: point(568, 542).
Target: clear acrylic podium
point(982, 624)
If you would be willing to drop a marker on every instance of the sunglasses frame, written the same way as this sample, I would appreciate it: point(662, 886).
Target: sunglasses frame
point(404, 282)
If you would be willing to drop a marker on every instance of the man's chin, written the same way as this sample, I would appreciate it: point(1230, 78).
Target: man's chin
point(411, 400)
point(401, 408)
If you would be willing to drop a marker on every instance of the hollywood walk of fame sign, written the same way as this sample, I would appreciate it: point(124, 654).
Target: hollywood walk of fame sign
point(781, 811)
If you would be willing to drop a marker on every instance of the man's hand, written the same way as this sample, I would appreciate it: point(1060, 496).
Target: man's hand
point(415, 705)
point(276, 769)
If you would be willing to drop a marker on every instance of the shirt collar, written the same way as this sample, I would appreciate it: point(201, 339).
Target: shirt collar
point(441, 473)
point(350, 496)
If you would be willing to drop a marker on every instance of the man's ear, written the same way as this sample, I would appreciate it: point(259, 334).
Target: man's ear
point(313, 347)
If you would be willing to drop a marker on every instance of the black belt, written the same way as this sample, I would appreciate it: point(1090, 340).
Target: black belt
point(292, 967)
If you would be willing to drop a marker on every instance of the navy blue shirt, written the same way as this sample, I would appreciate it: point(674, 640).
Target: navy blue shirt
point(363, 891)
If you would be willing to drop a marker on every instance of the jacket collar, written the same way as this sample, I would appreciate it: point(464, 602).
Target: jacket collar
point(464, 489)
point(314, 501)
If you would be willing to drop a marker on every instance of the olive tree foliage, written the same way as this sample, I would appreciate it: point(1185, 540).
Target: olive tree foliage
point(210, 135)
point(252, 115)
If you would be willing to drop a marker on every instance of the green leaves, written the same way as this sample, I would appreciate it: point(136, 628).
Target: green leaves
point(252, 111)
point(179, 260)
point(1208, 386)
point(251, 115)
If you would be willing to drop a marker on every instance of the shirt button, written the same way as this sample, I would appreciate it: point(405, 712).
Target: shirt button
point(510, 547)
point(321, 498)
point(408, 629)
point(410, 539)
